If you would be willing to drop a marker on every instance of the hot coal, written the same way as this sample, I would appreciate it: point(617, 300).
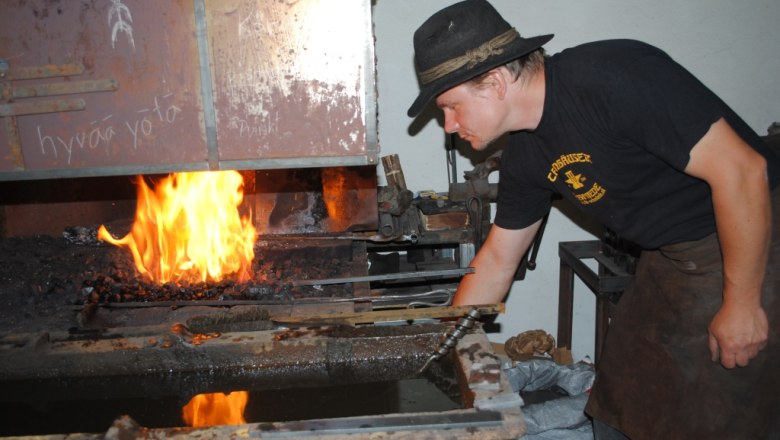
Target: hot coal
point(44, 278)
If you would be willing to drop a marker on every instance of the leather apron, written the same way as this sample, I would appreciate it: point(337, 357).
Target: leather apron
point(656, 379)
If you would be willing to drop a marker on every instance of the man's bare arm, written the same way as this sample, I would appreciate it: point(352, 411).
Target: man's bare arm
point(495, 265)
point(737, 177)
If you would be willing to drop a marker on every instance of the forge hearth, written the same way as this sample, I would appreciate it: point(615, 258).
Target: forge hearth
point(353, 371)
point(81, 330)
point(365, 379)
point(48, 284)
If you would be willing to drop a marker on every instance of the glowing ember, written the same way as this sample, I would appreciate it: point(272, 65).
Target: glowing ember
point(189, 228)
point(215, 409)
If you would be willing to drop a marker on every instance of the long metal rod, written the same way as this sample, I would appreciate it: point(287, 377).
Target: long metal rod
point(385, 277)
point(102, 171)
point(39, 107)
point(358, 318)
point(375, 300)
point(383, 423)
point(65, 88)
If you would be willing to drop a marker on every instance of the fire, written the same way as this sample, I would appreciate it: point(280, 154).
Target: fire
point(214, 409)
point(334, 194)
point(190, 229)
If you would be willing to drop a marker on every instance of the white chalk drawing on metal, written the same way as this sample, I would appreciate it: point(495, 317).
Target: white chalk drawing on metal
point(122, 22)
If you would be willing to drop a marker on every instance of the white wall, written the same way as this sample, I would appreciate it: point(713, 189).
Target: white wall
point(733, 47)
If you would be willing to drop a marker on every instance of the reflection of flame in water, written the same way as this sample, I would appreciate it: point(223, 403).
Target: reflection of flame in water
point(190, 229)
point(214, 409)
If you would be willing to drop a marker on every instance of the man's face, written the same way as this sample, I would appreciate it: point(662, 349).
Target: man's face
point(473, 112)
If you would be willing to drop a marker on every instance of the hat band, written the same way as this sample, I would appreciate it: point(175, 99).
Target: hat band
point(471, 58)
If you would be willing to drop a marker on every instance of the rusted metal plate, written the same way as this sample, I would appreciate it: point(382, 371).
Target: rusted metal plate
point(291, 78)
point(152, 119)
point(186, 85)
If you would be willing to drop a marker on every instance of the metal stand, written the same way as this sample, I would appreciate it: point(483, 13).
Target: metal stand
point(614, 276)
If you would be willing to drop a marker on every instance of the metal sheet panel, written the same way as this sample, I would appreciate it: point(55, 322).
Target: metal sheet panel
point(290, 78)
point(137, 87)
point(154, 116)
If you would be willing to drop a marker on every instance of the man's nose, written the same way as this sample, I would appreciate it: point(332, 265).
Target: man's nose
point(450, 126)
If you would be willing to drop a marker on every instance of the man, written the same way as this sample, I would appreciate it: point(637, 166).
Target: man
point(630, 137)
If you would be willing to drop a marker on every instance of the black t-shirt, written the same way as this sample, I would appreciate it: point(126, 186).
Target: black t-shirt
point(620, 118)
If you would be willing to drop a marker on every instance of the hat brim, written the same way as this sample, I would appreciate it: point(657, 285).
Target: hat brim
point(522, 47)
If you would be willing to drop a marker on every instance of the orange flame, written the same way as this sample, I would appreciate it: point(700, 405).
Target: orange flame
point(190, 229)
point(214, 409)
point(334, 194)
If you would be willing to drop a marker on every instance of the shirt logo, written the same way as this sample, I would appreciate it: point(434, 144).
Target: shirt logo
point(576, 181)
point(566, 159)
point(593, 195)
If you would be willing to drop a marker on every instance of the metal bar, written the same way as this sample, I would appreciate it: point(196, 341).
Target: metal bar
point(45, 71)
point(88, 86)
point(35, 108)
point(399, 298)
point(565, 304)
point(602, 324)
point(370, 110)
point(537, 243)
point(123, 170)
point(385, 277)
point(593, 249)
point(296, 162)
point(610, 265)
point(571, 257)
point(207, 93)
point(382, 423)
point(356, 318)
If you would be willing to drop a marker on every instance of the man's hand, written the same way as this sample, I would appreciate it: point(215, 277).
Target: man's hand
point(737, 333)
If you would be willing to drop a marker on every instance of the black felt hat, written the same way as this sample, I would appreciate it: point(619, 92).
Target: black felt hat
point(463, 41)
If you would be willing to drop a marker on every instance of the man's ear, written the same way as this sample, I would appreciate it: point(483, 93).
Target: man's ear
point(497, 80)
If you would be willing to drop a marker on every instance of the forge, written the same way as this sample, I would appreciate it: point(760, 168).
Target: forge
point(349, 290)
point(327, 335)
point(74, 362)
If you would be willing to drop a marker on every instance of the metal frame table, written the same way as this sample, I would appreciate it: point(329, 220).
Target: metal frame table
point(612, 278)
